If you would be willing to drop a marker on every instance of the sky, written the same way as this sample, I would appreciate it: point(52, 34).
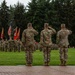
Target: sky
point(12, 2)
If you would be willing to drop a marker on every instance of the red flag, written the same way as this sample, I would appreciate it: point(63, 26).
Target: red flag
point(15, 34)
point(9, 31)
point(18, 34)
point(2, 33)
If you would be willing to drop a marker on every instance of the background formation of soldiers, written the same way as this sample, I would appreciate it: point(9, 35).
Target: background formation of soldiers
point(11, 45)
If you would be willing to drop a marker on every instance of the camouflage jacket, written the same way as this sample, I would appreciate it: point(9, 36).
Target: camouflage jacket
point(45, 37)
point(62, 37)
point(28, 36)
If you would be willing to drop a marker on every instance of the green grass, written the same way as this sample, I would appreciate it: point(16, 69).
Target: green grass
point(16, 58)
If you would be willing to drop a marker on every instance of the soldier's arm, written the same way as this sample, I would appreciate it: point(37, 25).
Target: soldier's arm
point(41, 41)
point(8, 44)
point(70, 32)
point(57, 39)
point(53, 30)
point(41, 37)
point(35, 32)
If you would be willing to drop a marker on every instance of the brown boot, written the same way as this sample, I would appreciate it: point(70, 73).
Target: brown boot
point(46, 64)
point(28, 64)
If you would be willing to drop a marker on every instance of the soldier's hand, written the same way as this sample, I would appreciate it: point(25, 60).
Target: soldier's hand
point(49, 27)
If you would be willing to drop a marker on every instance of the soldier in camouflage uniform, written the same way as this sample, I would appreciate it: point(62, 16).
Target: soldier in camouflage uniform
point(29, 42)
point(22, 48)
point(46, 42)
point(10, 44)
point(2, 44)
point(62, 41)
point(6, 45)
point(18, 45)
point(15, 45)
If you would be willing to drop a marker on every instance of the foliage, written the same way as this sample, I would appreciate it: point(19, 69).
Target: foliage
point(38, 12)
point(19, 16)
point(4, 16)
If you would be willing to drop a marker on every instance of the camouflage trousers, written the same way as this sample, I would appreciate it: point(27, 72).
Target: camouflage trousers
point(46, 52)
point(18, 48)
point(29, 56)
point(63, 53)
point(6, 48)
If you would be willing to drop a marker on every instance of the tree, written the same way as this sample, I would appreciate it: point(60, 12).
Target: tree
point(65, 9)
point(4, 17)
point(41, 11)
point(19, 16)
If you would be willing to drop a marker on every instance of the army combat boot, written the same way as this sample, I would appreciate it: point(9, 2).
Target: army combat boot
point(46, 64)
point(28, 64)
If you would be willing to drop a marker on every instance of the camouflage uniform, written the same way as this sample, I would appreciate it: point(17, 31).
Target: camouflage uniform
point(46, 42)
point(29, 43)
point(22, 46)
point(2, 44)
point(54, 47)
point(5, 45)
point(11, 45)
point(18, 45)
point(15, 46)
point(62, 41)
point(37, 46)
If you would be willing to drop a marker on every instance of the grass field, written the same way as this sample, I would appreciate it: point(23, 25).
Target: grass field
point(16, 58)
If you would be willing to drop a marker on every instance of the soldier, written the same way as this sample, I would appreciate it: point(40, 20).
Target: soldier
point(22, 46)
point(46, 42)
point(29, 42)
point(10, 44)
point(14, 43)
point(6, 45)
point(62, 41)
point(19, 45)
point(2, 44)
